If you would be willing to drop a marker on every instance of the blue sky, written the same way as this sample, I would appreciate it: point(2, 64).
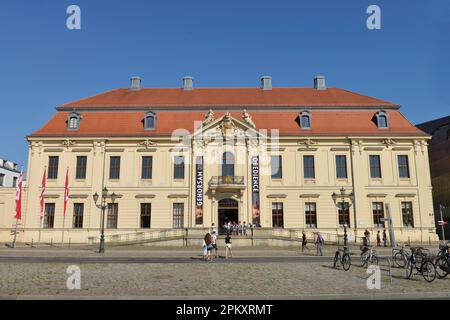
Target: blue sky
point(220, 43)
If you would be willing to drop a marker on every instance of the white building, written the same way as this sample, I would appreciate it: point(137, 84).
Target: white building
point(9, 173)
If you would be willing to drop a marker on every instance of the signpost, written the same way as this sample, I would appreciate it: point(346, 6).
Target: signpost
point(391, 226)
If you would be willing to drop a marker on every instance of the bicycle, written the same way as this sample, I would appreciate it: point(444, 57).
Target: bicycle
point(442, 261)
point(421, 261)
point(368, 254)
point(343, 256)
point(400, 256)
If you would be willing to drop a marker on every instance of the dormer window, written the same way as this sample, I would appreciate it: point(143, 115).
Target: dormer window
point(382, 120)
point(73, 121)
point(150, 121)
point(305, 120)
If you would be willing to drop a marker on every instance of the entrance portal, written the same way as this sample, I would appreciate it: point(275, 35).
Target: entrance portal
point(228, 212)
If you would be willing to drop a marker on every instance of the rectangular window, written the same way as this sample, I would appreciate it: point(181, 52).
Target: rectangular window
point(378, 214)
point(114, 168)
point(277, 215)
point(403, 166)
point(344, 214)
point(15, 182)
point(178, 215)
point(113, 214)
point(308, 167)
point(78, 211)
point(81, 167)
point(2, 179)
point(53, 167)
point(407, 213)
point(276, 167)
point(310, 215)
point(178, 167)
point(375, 166)
point(341, 167)
point(49, 215)
point(146, 215)
point(147, 167)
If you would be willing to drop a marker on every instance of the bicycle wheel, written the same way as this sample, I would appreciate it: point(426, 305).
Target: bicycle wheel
point(442, 267)
point(335, 260)
point(346, 262)
point(364, 259)
point(409, 269)
point(399, 260)
point(428, 271)
point(374, 260)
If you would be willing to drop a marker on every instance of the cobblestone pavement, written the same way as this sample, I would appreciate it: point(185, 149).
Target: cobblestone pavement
point(208, 280)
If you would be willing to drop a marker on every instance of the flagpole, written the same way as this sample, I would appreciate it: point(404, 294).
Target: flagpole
point(15, 234)
point(40, 229)
point(18, 206)
point(66, 194)
point(62, 238)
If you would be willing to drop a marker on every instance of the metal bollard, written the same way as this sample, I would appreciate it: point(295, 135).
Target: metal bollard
point(51, 242)
point(390, 269)
point(32, 242)
point(69, 241)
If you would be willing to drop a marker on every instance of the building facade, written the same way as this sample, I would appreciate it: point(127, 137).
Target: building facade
point(313, 159)
point(9, 173)
point(439, 153)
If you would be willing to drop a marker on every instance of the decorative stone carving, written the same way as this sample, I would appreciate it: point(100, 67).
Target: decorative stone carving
point(307, 142)
point(68, 143)
point(147, 143)
point(247, 119)
point(209, 117)
point(389, 142)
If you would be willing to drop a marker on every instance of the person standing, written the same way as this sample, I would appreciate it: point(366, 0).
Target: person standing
point(367, 238)
point(214, 242)
point(378, 239)
point(228, 247)
point(319, 244)
point(240, 228)
point(213, 228)
point(384, 238)
point(304, 242)
point(209, 247)
point(245, 228)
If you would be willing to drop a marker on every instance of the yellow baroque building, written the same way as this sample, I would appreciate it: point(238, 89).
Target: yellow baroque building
point(311, 159)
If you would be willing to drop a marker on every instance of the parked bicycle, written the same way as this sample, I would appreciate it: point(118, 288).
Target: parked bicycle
point(368, 256)
point(343, 255)
point(442, 261)
point(421, 261)
point(400, 256)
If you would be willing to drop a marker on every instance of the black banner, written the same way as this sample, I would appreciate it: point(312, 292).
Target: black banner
point(199, 190)
point(255, 191)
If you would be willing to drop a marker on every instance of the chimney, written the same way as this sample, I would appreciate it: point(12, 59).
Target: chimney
point(188, 83)
point(135, 84)
point(266, 82)
point(319, 83)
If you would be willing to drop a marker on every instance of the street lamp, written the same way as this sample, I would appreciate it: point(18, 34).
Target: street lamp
point(342, 205)
point(103, 206)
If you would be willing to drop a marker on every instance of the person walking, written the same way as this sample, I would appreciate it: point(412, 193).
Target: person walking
point(378, 239)
point(384, 238)
point(240, 228)
point(205, 250)
point(245, 228)
point(228, 247)
point(213, 228)
point(319, 244)
point(304, 242)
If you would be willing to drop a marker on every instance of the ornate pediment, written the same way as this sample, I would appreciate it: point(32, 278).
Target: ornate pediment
point(147, 143)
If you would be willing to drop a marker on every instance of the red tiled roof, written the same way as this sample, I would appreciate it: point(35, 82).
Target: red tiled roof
point(323, 122)
point(226, 97)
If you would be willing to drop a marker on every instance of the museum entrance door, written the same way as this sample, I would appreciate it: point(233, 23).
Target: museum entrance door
point(228, 212)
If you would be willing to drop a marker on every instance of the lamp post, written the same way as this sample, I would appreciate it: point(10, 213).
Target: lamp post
point(103, 206)
point(341, 205)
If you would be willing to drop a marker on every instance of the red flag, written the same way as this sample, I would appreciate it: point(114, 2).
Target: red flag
point(42, 192)
point(19, 197)
point(66, 191)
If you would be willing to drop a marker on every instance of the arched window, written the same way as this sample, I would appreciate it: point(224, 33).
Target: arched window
point(382, 119)
point(305, 120)
point(73, 121)
point(150, 121)
point(227, 164)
